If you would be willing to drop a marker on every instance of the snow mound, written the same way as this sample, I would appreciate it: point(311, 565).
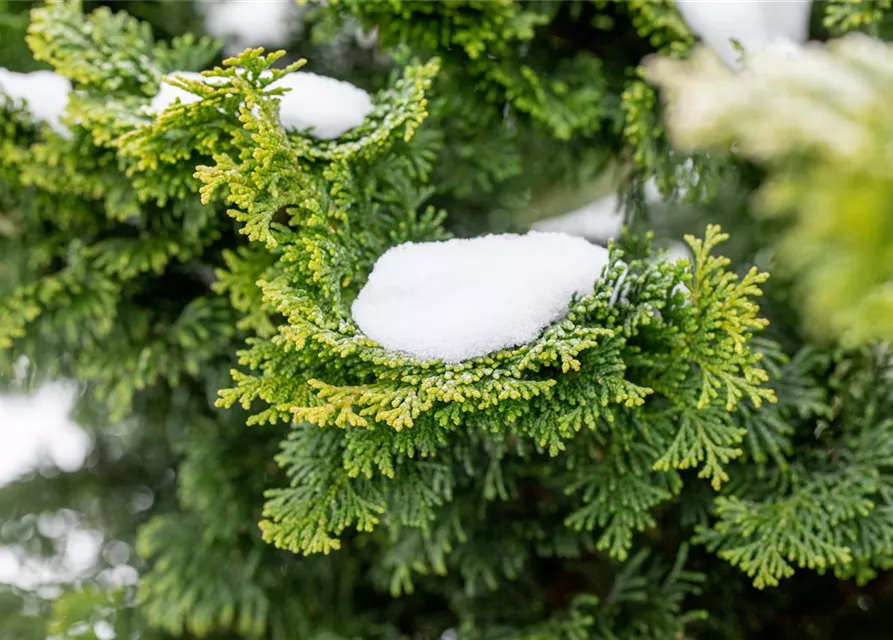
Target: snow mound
point(755, 25)
point(249, 23)
point(678, 251)
point(44, 92)
point(327, 106)
point(36, 430)
point(461, 299)
point(169, 94)
point(598, 221)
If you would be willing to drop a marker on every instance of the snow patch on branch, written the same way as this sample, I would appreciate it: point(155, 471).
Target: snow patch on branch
point(243, 24)
point(44, 93)
point(753, 24)
point(461, 299)
point(169, 94)
point(598, 221)
point(36, 432)
point(326, 106)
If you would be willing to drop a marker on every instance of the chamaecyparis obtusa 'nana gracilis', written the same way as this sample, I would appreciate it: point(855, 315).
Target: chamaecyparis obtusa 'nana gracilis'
point(234, 254)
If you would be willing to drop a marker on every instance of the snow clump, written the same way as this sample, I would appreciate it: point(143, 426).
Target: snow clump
point(44, 93)
point(598, 221)
point(168, 94)
point(325, 106)
point(461, 299)
point(328, 107)
point(782, 24)
point(36, 432)
point(250, 23)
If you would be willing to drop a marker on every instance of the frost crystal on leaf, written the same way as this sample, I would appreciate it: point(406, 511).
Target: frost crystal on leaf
point(328, 107)
point(754, 25)
point(461, 299)
point(44, 92)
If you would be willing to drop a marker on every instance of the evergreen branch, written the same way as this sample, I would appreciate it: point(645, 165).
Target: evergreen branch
point(108, 52)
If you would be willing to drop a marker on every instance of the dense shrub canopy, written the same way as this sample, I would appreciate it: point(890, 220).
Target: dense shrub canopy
point(692, 450)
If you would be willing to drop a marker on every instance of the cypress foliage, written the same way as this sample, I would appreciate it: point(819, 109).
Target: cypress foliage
point(633, 472)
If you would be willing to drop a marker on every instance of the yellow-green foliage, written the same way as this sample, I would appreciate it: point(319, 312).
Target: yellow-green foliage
point(384, 415)
point(542, 83)
point(818, 122)
point(194, 270)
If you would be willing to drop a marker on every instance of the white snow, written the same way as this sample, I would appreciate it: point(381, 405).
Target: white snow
point(44, 92)
point(755, 24)
point(678, 251)
point(104, 631)
point(36, 430)
point(77, 552)
point(243, 24)
point(169, 94)
point(326, 105)
point(460, 299)
point(598, 221)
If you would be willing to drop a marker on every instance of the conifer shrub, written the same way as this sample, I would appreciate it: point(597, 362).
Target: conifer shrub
point(659, 462)
point(820, 136)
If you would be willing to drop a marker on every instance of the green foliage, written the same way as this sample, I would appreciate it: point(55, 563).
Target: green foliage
point(14, 53)
point(81, 612)
point(821, 145)
point(830, 510)
point(532, 94)
point(194, 269)
point(843, 16)
point(110, 243)
point(390, 408)
point(487, 38)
